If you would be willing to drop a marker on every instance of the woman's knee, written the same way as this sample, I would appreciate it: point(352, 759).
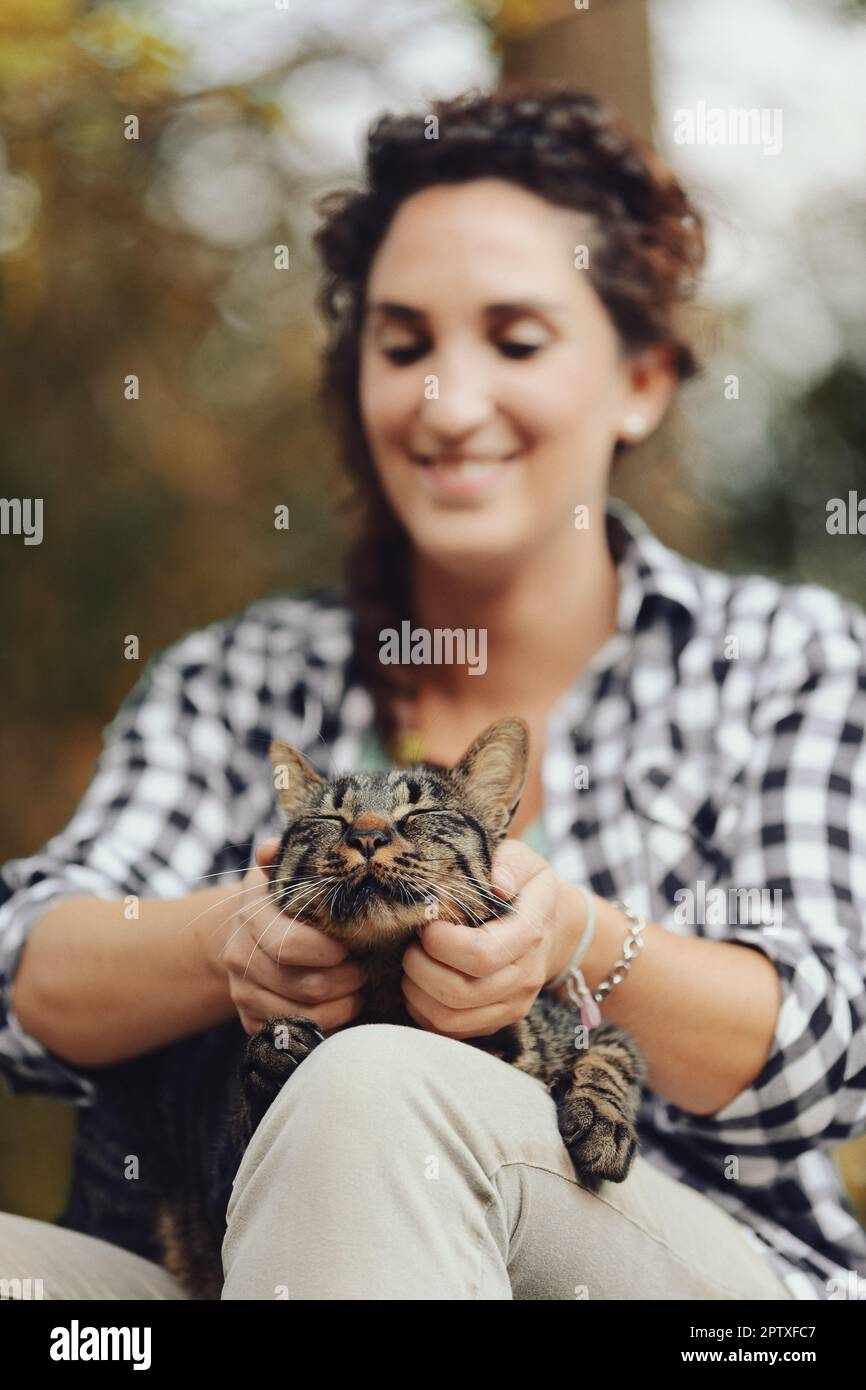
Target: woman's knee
point(355, 1091)
point(380, 1059)
point(380, 1079)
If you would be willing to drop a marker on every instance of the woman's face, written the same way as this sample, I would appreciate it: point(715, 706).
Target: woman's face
point(492, 383)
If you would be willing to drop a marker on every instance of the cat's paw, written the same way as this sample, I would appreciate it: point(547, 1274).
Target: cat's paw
point(270, 1057)
point(601, 1144)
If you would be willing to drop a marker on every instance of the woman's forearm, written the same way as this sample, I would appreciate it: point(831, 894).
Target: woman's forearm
point(704, 1012)
point(95, 988)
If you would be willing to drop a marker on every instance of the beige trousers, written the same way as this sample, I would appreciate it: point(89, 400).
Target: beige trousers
point(397, 1164)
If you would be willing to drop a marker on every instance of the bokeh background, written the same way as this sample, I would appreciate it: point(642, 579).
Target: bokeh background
point(154, 256)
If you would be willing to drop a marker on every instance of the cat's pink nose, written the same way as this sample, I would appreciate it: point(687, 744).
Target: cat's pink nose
point(367, 839)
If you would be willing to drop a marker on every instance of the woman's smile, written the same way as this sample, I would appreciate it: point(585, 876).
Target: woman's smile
point(469, 476)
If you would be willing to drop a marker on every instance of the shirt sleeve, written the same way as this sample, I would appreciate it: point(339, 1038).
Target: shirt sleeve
point(801, 836)
point(175, 797)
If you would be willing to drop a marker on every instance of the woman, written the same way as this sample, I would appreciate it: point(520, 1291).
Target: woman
point(501, 298)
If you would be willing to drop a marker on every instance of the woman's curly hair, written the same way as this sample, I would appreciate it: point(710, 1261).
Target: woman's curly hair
point(568, 147)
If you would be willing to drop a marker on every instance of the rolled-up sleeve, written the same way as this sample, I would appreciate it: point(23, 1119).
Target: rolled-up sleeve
point(173, 796)
point(800, 836)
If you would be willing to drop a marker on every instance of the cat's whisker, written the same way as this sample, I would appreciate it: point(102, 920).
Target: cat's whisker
point(258, 908)
point(331, 899)
point(328, 891)
point(293, 887)
point(443, 890)
point(289, 928)
point(323, 881)
point(275, 918)
point(246, 888)
point(221, 872)
point(484, 925)
point(241, 844)
point(288, 900)
point(312, 895)
point(479, 922)
point(250, 887)
point(240, 926)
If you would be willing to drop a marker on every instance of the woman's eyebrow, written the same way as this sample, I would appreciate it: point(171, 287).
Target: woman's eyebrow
point(513, 309)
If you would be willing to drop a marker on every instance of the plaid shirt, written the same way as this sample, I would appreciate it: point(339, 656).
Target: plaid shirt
point(722, 732)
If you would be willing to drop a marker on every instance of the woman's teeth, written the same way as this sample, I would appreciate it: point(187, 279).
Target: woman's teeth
point(467, 468)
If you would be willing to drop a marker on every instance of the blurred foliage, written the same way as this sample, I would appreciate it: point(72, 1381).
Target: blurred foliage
point(776, 523)
point(158, 512)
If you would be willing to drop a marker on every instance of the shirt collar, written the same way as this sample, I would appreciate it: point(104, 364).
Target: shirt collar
point(648, 570)
point(648, 573)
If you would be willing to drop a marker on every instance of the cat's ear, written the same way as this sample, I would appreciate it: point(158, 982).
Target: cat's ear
point(294, 779)
point(493, 772)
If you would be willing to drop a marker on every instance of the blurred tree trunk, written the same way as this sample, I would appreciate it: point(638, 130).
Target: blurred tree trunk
point(604, 49)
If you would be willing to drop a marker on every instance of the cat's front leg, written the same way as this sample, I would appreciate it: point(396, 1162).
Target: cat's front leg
point(269, 1058)
point(597, 1101)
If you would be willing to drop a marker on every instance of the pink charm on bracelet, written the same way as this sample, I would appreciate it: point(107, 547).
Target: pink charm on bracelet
point(581, 995)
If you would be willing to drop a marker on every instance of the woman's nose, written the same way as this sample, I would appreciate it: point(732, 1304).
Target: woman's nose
point(457, 402)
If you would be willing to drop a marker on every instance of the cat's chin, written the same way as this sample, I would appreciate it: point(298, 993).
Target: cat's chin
point(378, 922)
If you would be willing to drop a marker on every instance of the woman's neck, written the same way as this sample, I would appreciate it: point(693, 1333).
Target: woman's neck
point(544, 618)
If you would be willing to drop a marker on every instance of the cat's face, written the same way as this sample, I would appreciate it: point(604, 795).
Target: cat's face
point(370, 856)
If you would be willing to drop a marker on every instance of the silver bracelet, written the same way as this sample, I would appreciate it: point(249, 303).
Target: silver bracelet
point(583, 998)
point(584, 941)
point(633, 946)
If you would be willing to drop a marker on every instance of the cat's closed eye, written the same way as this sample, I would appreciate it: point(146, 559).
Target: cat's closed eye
point(424, 811)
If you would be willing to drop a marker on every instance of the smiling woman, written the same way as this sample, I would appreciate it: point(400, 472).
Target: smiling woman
point(501, 303)
point(504, 315)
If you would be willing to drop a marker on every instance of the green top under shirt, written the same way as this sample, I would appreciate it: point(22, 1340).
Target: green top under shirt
point(373, 759)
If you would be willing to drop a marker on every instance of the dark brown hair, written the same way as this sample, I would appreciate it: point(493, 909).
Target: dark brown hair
point(569, 148)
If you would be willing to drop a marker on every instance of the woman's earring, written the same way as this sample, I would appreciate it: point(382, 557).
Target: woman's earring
point(634, 426)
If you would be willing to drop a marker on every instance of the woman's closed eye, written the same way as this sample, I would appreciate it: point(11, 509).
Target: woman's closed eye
point(404, 356)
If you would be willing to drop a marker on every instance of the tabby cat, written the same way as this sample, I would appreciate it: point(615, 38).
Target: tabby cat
point(368, 858)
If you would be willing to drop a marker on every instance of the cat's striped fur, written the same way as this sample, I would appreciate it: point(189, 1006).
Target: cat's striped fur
point(368, 858)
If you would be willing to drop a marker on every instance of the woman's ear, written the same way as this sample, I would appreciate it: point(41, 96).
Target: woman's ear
point(492, 772)
point(294, 779)
point(651, 383)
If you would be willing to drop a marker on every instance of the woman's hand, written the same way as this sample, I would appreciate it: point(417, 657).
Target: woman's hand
point(467, 982)
point(279, 966)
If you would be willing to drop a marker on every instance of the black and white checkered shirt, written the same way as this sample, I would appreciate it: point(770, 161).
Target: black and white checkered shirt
point(722, 733)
